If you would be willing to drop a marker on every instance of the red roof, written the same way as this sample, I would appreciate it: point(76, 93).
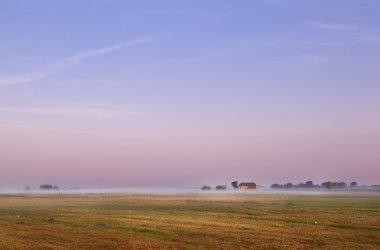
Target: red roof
point(248, 184)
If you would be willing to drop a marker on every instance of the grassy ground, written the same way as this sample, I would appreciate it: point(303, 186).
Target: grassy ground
point(189, 222)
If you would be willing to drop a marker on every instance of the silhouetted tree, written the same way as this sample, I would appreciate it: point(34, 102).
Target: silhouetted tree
point(329, 185)
point(221, 187)
point(300, 185)
point(288, 185)
point(342, 184)
point(309, 184)
point(234, 184)
point(205, 187)
point(276, 185)
point(353, 184)
point(46, 186)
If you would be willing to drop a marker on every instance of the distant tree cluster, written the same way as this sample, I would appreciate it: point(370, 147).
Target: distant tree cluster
point(287, 185)
point(48, 187)
point(221, 187)
point(330, 185)
point(310, 184)
point(218, 187)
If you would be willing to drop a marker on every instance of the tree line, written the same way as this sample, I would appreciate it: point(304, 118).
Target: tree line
point(310, 184)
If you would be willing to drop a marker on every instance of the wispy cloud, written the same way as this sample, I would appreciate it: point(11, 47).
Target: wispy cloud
point(332, 26)
point(18, 63)
point(70, 111)
point(97, 5)
point(311, 59)
point(11, 43)
point(163, 12)
point(75, 60)
point(29, 77)
point(84, 129)
point(78, 58)
point(298, 60)
point(201, 58)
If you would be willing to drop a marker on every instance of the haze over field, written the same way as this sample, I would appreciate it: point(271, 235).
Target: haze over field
point(186, 93)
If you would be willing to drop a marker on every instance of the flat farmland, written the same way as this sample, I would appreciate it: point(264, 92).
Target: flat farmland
point(199, 221)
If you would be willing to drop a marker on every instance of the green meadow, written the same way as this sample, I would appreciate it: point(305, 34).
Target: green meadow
point(202, 221)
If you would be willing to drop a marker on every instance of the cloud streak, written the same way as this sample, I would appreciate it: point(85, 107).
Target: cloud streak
point(70, 111)
point(197, 59)
point(75, 60)
point(332, 26)
point(11, 43)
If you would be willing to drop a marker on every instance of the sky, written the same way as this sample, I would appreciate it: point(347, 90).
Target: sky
point(175, 93)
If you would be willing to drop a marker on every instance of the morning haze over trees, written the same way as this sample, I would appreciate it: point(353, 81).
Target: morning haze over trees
point(309, 184)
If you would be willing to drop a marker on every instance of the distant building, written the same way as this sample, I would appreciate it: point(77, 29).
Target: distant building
point(221, 187)
point(247, 185)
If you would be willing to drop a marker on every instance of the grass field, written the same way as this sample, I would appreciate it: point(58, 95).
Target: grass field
point(221, 221)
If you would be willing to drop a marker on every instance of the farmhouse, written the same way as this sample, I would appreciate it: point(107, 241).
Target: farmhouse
point(247, 185)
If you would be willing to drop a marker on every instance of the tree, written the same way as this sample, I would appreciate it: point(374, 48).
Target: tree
point(353, 184)
point(234, 184)
point(276, 185)
point(329, 185)
point(46, 186)
point(300, 185)
point(309, 184)
point(342, 184)
point(288, 185)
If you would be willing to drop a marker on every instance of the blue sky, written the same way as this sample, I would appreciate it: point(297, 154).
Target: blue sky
point(275, 90)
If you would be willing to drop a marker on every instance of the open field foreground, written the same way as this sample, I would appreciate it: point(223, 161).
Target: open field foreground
point(217, 221)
